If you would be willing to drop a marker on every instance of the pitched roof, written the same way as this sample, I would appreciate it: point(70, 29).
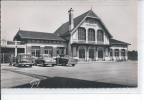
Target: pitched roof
point(64, 28)
point(114, 41)
point(37, 35)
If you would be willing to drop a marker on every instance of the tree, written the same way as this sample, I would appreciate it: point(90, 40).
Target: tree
point(133, 55)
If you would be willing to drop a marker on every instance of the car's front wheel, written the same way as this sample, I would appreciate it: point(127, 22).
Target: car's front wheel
point(35, 64)
point(73, 64)
point(53, 65)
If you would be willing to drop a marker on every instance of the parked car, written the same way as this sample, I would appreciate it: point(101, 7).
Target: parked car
point(44, 60)
point(22, 60)
point(66, 60)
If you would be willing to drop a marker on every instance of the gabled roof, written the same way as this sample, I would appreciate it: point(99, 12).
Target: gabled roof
point(64, 28)
point(37, 35)
point(114, 41)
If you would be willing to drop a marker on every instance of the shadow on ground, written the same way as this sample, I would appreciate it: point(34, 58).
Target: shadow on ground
point(61, 82)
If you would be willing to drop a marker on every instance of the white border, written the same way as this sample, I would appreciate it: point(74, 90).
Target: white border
point(36, 94)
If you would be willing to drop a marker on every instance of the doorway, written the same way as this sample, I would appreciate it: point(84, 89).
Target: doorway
point(100, 53)
point(82, 53)
point(91, 53)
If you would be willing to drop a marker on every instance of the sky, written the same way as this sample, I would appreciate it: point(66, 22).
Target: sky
point(119, 16)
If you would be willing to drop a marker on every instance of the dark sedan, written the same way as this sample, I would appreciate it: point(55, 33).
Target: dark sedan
point(66, 61)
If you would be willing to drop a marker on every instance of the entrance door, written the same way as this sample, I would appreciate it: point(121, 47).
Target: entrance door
point(82, 53)
point(100, 53)
point(91, 53)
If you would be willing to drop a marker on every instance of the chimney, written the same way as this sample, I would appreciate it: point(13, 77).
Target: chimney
point(71, 21)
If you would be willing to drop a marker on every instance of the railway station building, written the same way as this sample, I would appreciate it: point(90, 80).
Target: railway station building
point(84, 37)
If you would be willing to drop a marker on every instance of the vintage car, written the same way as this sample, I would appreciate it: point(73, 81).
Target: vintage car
point(44, 60)
point(66, 61)
point(22, 60)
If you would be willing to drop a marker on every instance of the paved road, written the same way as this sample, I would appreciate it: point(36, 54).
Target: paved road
point(124, 73)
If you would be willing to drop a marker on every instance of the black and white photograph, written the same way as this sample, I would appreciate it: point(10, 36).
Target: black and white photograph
point(69, 44)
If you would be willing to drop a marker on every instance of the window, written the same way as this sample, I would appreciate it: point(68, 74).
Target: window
point(91, 20)
point(81, 53)
point(100, 36)
point(123, 52)
point(116, 52)
point(35, 51)
point(60, 50)
point(37, 41)
point(48, 50)
point(111, 52)
point(91, 35)
point(81, 34)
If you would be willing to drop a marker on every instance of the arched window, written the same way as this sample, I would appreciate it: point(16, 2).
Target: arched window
point(81, 34)
point(81, 53)
point(91, 35)
point(100, 36)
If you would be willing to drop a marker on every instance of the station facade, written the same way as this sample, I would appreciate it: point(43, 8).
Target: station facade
point(84, 37)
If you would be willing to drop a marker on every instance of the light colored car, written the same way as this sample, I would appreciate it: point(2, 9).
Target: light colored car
point(45, 60)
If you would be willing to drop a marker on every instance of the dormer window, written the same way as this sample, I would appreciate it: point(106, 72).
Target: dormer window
point(91, 21)
point(81, 33)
